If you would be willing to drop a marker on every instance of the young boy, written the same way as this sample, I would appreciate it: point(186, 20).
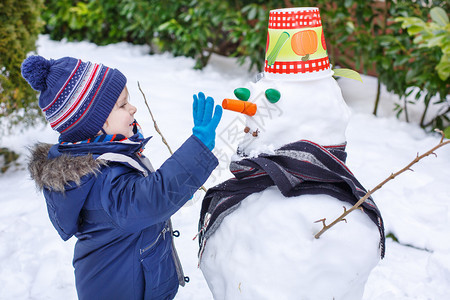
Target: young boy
point(99, 187)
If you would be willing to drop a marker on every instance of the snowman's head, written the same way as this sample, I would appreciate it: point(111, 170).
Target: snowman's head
point(280, 112)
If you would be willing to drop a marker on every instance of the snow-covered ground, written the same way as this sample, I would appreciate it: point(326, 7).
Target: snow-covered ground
point(36, 263)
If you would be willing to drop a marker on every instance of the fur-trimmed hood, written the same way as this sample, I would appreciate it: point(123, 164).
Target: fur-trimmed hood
point(64, 180)
point(68, 174)
point(55, 173)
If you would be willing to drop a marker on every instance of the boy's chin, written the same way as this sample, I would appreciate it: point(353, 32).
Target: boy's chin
point(130, 134)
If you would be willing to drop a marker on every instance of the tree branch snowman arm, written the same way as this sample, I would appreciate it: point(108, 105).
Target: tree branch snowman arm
point(370, 192)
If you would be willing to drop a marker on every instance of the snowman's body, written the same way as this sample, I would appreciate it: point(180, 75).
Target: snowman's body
point(266, 248)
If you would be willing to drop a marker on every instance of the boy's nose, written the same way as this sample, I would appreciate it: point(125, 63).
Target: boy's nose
point(133, 109)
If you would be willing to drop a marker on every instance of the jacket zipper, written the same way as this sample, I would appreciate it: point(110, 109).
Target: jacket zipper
point(162, 233)
point(168, 228)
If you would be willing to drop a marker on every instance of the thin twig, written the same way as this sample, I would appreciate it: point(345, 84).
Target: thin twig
point(154, 121)
point(392, 176)
point(157, 128)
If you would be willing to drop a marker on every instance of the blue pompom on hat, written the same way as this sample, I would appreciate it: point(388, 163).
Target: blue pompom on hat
point(76, 97)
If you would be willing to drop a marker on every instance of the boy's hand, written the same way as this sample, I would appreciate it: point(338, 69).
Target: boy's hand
point(205, 123)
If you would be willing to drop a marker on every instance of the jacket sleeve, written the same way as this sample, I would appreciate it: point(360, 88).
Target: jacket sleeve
point(135, 202)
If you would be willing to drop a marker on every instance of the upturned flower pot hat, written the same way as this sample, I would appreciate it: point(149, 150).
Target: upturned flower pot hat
point(76, 97)
point(296, 48)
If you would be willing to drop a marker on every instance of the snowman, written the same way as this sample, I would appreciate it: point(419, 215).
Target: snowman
point(257, 229)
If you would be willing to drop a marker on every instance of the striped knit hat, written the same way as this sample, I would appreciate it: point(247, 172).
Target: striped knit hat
point(76, 97)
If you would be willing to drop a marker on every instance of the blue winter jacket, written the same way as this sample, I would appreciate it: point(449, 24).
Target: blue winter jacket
point(119, 209)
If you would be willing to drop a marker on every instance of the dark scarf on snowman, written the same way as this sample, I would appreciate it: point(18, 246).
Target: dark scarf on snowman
point(298, 168)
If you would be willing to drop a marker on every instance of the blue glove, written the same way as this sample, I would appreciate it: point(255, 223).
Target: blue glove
point(205, 123)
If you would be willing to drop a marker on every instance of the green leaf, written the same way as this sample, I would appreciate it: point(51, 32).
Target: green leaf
point(386, 63)
point(165, 25)
point(252, 13)
point(436, 41)
point(439, 16)
point(347, 73)
point(443, 69)
point(410, 21)
point(350, 26)
point(387, 40)
point(447, 132)
point(401, 61)
point(418, 39)
point(410, 75)
point(414, 29)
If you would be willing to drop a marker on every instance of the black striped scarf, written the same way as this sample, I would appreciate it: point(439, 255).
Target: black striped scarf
point(296, 169)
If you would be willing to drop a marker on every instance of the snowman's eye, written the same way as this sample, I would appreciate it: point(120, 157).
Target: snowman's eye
point(242, 94)
point(273, 95)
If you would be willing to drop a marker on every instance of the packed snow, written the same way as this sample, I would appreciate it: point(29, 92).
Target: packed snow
point(268, 241)
point(36, 263)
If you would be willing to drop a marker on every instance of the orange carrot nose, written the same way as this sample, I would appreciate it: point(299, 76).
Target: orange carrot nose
point(244, 107)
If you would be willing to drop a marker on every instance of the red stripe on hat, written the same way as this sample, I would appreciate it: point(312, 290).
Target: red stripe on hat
point(67, 82)
point(80, 97)
point(90, 103)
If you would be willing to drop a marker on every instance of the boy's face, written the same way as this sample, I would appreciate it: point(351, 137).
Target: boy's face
point(121, 118)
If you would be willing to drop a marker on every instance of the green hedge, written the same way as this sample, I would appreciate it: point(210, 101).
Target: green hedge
point(19, 29)
point(361, 34)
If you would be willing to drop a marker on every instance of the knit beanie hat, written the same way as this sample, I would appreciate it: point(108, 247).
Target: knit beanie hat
point(76, 97)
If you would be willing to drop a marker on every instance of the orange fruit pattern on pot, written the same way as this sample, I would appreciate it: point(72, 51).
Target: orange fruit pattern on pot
point(304, 42)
